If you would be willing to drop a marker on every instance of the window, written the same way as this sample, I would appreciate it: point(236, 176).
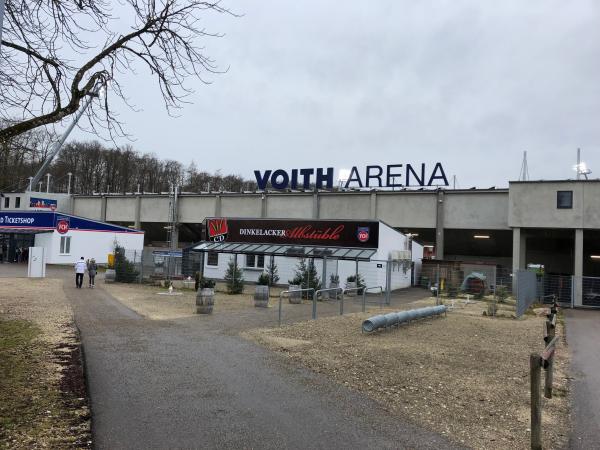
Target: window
point(6, 202)
point(17, 202)
point(257, 261)
point(212, 259)
point(564, 199)
point(65, 245)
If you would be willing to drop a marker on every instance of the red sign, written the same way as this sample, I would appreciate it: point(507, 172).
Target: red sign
point(217, 229)
point(62, 226)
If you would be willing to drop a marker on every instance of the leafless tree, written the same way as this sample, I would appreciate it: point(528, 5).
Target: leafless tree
point(50, 65)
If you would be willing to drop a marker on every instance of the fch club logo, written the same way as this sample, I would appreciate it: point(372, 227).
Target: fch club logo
point(62, 226)
point(362, 234)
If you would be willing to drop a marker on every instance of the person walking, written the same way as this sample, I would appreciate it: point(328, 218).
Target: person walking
point(79, 271)
point(92, 268)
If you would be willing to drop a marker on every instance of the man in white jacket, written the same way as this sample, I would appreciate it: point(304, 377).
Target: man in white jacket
point(79, 271)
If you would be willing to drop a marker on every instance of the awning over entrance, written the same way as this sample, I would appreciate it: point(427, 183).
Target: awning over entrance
point(294, 251)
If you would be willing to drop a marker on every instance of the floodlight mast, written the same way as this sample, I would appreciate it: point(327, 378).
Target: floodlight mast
point(58, 145)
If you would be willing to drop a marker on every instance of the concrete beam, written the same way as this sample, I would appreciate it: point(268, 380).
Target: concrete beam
point(578, 269)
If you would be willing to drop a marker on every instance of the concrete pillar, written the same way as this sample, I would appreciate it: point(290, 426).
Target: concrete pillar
point(138, 212)
point(374, 205)
point(217, 206)
point(103, 208)
point(175, 236)
point(439, 226)
point(519, 249)
point(518, 254)
point(315, 209)
point(578, 269)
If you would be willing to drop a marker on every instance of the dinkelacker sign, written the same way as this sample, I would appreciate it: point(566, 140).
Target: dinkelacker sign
point(392, 176)
point(326, 233)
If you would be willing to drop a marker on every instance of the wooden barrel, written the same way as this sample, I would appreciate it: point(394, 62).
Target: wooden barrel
point(334, 294)
point(296, 297)
point(109, 276)
point(205, 299)
point(261, 296)
point(351, 285)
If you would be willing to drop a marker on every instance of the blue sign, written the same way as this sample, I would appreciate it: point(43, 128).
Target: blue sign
point(47, 221)
point(392, 176)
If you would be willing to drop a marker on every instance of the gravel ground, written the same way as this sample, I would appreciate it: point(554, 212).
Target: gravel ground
point(464, 376)
point(57, 381)
point(146, 301)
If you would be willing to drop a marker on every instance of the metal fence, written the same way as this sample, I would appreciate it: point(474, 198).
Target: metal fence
point(128, 266)
point(526, 290)
point(591, 292)
point(558, 286)
point(451, 279)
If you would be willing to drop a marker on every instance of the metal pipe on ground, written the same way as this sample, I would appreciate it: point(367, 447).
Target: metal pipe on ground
point(396, 318)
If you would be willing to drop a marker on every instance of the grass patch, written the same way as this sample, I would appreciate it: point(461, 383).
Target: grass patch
point(32, 405)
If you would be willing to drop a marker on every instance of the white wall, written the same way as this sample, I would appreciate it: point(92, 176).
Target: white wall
point(89, 244)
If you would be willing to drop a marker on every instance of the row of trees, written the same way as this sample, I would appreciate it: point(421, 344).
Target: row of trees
point(96, 168)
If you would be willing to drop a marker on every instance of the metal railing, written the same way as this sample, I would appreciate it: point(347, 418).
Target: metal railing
point(289, 292)
point(316, 295)
point(364, 296)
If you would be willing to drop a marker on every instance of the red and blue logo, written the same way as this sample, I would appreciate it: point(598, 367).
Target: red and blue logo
point(62, 226)
point(362, 234)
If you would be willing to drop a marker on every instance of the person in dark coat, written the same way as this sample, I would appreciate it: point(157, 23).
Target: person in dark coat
point(92, 269)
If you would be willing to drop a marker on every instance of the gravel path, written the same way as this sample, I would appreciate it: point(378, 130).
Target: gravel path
point(184, 383)
point(583, 336)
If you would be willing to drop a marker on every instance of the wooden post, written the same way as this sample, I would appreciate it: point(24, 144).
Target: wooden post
point(549, 377)
point(535, 369)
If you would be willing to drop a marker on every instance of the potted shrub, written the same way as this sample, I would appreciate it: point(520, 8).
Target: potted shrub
point(205, 298)
point(261, 291)
point(353, 282)
point(334, 282)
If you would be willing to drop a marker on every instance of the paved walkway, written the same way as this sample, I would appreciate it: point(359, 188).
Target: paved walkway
point(185, 384)
point(583, 337)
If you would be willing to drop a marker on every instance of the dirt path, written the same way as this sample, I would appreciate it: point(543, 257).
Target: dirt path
point(583, 336)
point(183, 384)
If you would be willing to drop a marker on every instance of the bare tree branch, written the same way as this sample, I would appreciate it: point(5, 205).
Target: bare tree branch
point(40, 84)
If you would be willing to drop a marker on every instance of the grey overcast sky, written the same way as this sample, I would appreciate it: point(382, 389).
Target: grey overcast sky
point(471, 84)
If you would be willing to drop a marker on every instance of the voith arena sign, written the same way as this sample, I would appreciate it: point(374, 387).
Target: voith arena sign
point(375, 176)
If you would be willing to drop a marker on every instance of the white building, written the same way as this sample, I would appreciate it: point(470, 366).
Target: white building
point(379, 252)
point(65, 237)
